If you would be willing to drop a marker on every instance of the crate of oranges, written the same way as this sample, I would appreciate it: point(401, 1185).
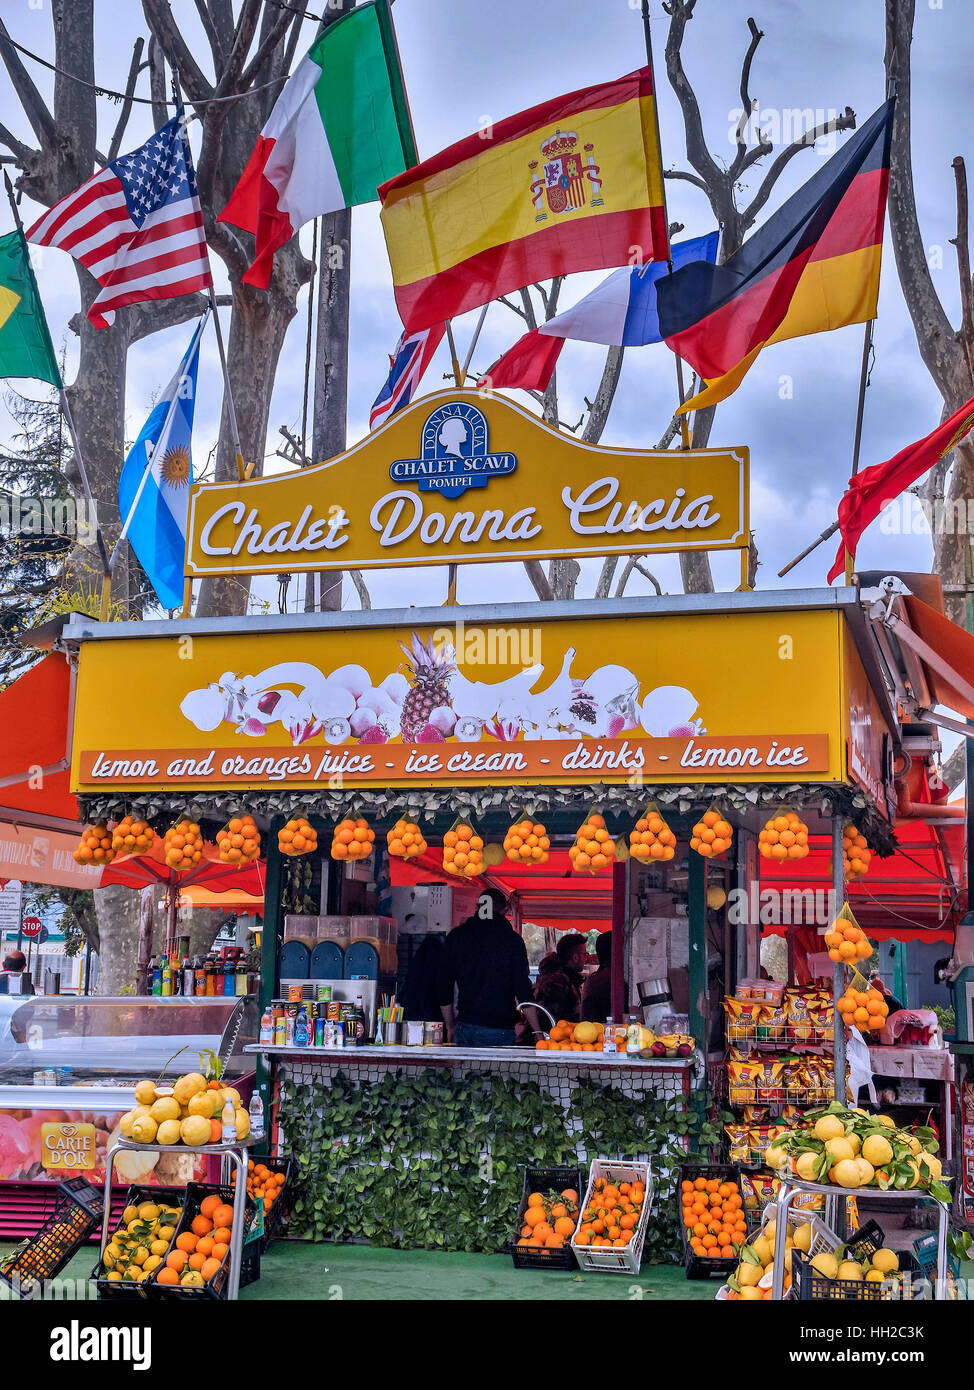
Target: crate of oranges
point(612, 1228)
point(267, 1180)
point(712, 1217)
point(198, 1265)
point(546, 1219)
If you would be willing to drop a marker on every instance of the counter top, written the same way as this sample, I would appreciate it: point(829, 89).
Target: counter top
point(457, 1056)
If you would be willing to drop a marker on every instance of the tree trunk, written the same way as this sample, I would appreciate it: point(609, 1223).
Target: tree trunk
point(329, 433)
point(118, 912)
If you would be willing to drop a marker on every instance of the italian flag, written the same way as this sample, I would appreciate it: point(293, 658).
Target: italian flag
point(339, 129)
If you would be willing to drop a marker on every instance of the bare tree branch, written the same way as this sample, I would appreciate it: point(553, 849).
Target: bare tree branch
point(143, 319)
point(632, 563)
point(806, 141)
point(213, 36)
point(365, 598)
point(686, 177)
point(268, 45)
point(167, 31)
point(746, 107)
point(35, 108)
point(513, 307)
point(242, 39)
point(539, 580)
point(681, 12)
point(157, 82)
point(21, 152)
point(135, 67)
point(962, 245)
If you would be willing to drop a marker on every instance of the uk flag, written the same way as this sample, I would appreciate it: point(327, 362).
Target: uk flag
point(413, 354)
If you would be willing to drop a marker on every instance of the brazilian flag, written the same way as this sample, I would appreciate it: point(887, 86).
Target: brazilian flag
point(25, 342)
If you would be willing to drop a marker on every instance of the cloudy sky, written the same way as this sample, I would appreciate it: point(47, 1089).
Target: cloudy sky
point(466, 62)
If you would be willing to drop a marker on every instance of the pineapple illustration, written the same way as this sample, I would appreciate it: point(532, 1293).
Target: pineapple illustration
point(429, 674)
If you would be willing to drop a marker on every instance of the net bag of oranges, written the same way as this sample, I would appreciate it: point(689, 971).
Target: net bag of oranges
point(463, 850)
point(785, 836)
point(353, 839)
point(651, 837)
point(856, 852)
point(405, 840)
point(297, 837)
point(593, 847)
point(865, 1009)
point(527, 842)
point(95, 845)
point(846, 940)
point(239, 841)
point(132, 836)
point(183, 846)
point(712, 835)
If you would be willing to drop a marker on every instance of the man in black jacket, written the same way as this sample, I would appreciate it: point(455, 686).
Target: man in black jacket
point(485, 960)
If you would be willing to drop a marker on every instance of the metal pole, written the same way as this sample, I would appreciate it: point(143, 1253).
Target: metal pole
point(838, 969)
point(617, 977)
point(867, 340)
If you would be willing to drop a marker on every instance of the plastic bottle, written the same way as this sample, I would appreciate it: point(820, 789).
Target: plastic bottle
point(301, 1028)
point(266, 1026)
point(632, 1037)
point(256, 1108)
point(228, 1121)
point(609, 1036)
point(166, 976)
point(157, 977)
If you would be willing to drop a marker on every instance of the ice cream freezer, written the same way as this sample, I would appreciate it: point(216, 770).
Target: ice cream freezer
point(67, 1071)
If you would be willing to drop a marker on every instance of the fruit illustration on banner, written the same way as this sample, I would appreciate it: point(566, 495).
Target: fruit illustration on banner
point(405, 840)
point(239, 841)
point(132, 836)
point(651, 837)
point(297, 837)
point(712, 835)
point(95, 845)
point(856, 852)
point(352, 839)
point(527, 842)
point(463, 851)
point(183, 846)
point(785, 836)
point(593, 848)
point(429, 672)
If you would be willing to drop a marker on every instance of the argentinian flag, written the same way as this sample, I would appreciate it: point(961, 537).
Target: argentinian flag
point(153, 490)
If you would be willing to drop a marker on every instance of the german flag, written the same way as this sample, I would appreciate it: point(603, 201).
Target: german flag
point(813, 266)
point(573, 184)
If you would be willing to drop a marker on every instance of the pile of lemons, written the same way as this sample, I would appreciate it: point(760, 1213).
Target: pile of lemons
point(188, 1112)
point(141, 1242)
point(852, 1149)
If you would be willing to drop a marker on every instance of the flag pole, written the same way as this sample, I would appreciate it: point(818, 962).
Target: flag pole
point(65, 408)
point(867, 342)
point(163, 433)
point(243, 471)
point(680, 385)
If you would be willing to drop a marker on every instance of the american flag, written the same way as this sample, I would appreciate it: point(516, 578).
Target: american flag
point(406, 367)
point(136, 225)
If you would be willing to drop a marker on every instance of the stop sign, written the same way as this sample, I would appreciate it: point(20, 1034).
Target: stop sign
point(32, 926)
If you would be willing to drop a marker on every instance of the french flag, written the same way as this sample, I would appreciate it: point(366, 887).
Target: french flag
point(621, 312)
point(412, 356)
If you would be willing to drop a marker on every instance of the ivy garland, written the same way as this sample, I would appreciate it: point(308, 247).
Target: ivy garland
point(626, 802)
point(436, 1161)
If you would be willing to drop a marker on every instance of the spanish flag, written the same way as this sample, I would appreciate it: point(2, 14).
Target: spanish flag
point(573, 184)
point(813, 266)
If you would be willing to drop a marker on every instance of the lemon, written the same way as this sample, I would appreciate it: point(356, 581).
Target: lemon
point(230, 1094)
point(885, 1261)
point(749, 1275)
point(139, 1256)
point(168, 1132)
point(931, 1165)
point(850, 1269)
point(126, 1122)
point(145, 1093)
point(846, 1173)
point(144, 1129)
point(748, 1295)
point(130, 1214)
point(193, 1277)
point(159, 1247)
point(807, 1167)
point(885, 1120)
point(874, 1276)
point(108, 1259)
point(201, 1104)
point(770, 1231)
point(825, 1263)
point(856, 1143)
point(148, 1211)
point(877, 1150)
point(243, 1123)
point(775, 1157)
point(828, 1127)
point(114, 1277)
point(153, 1262)
point(763, 1248)
point(132, 1272)
point(803, 1237)
point(838, 1149)
point(195, 1130)
point(866, 1171)
point(165, 1108)
point(188, 1086)
point(165, 1234)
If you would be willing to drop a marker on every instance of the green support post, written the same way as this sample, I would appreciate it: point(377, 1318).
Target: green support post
point(699, 1023)
point(269, 938)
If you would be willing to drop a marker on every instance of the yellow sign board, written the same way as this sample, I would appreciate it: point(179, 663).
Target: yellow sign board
point(68, 1147)
point(687, 697)
point(458, 477)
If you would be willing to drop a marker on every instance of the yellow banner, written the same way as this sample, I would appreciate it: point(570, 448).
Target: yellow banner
point(461, 478)
point(731, 697)
point(68, 1148)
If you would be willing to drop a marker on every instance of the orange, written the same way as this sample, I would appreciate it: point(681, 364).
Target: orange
point(201, 1227)
point(564, 1226)
point(176, 1260)
point(209, 1268)
point(223, 1216)
point(221, 1236)
point(209, 1204)
point(543, 1229)
point(167, 1276)
point(535, 1200)
point(533, 1214)
point(196, 1261)
point(187, 1242)
point(219, 1250)
point(205, 1246)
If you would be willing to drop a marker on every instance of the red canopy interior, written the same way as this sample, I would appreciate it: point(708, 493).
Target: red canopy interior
point(139, 870)
point(34, 712)
point(917, 894)
point(550, 894)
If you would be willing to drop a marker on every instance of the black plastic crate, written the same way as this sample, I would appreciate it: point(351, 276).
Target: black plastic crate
point(277, 1214)
point(810, 1286)
point(78, 1210)
point(136, 1195)
point(215, 1288)
point(705, 1266)
point(541, 1180)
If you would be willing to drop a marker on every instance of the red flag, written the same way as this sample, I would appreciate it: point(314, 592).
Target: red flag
point(528, 365)
point(871, 490)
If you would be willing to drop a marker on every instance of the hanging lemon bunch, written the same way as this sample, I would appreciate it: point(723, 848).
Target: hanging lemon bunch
point(463, 851)
point(712, 835)
point(527, 842)
point(183, 846)
point(132, 836)
point(651, 837)
point(785, 836)
point(405, 840)
point(239, 841)
point(593, 847)
point(352, 839)
point(857, 854)
point(95, 845)
point(297, 837)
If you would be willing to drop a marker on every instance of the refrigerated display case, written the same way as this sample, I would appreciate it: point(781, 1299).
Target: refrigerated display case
point(75, 1061)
